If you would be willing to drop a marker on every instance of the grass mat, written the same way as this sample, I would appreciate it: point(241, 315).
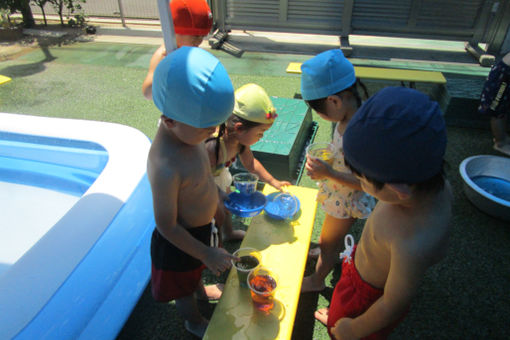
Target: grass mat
point(464, 296)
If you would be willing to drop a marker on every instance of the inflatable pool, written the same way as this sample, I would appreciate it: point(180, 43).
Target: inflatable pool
point(75, 227)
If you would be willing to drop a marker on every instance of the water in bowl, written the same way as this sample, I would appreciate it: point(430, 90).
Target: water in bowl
point(493, 185)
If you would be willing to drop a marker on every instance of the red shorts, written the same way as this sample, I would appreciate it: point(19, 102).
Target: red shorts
point(167, 285)
point(175, 274)
point(352, 297)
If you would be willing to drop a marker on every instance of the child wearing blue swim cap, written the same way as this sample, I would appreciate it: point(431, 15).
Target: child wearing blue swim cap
point(194, 94)
point(395, 144)
point(329, 86)
point(253, 115)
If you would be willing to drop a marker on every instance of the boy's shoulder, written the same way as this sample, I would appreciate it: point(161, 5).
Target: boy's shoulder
point(166, 157)
point(422, 231)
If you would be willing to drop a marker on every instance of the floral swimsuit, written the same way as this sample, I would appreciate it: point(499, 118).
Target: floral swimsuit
point(338, 200)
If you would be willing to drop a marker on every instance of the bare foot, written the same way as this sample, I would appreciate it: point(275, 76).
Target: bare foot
point(314, 253)
point(322, 315)
point(311, 284)
point(211, 292)
point(196, 329)
point(235, 235)
point(503, 148)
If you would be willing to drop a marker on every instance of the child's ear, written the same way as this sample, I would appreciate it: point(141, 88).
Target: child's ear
point(338, 101)
point(335, 99)
point(403, 191)
point(238, 127)
point(169, 122)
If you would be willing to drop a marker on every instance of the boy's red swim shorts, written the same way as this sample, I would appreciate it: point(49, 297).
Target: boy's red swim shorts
point(352, 297)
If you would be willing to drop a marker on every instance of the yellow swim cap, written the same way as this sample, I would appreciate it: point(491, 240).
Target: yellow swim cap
point(253, 104)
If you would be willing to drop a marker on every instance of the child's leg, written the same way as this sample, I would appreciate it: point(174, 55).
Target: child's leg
point(210, 292)
point(194, 322)
point(331, 243)
point(498, 127)
point(229, 234)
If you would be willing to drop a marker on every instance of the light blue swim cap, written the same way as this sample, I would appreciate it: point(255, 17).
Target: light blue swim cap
point(191, 86)
point(325, 74)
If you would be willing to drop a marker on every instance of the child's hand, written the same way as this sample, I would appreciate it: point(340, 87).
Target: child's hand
point(317, 169)
point(279, 184)
point(223, 195)
point(218, 260)
point(342, 330)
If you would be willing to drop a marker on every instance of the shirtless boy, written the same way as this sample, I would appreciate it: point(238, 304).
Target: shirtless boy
point(194, 94)
point(395, 145)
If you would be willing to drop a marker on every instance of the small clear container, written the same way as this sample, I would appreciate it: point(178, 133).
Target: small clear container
point(322, 151)
point(245, 182)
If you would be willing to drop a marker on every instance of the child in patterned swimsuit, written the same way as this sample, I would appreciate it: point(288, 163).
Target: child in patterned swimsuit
point(329, 86)
point(253, 115)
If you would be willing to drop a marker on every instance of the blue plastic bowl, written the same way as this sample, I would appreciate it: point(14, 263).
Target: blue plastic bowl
point(245, 205)
point(281, 206)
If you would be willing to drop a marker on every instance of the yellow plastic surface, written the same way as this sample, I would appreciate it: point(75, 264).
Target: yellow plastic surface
point(284, 249)
point(4, 79)
point(382, 73)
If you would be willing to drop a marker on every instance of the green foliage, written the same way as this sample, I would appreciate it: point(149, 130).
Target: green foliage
point(71, 5)
point(22, 6)
point(5, 21)
point(77, 20)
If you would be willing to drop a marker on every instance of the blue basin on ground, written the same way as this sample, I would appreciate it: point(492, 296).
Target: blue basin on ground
point(487, 183)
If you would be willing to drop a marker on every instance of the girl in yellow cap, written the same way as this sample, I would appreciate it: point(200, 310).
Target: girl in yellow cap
point(253, 115)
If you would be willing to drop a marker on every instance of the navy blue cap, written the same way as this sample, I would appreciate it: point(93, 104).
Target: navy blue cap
point(397, 136)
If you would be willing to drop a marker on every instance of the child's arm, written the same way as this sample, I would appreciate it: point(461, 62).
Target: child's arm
point(147, 83)
point(318, 169)
point(253, 165)
point(407, 268)
point(165, 190)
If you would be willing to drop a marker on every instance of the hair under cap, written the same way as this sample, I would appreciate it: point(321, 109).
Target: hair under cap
point(325, 74)
point(252, 103)
point(397, 136)
point(191, 17)
point(191, 86)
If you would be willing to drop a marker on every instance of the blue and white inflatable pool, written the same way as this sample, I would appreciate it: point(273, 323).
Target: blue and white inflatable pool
point(75, 225)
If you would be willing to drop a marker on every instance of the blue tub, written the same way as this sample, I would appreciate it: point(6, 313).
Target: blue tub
point(75, 227)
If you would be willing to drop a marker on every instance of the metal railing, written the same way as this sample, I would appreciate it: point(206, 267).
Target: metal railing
point(475, 21)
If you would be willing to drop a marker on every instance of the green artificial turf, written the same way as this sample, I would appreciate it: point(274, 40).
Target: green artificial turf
point(463, 297)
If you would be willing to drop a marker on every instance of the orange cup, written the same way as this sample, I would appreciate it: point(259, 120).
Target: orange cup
point(262, 283)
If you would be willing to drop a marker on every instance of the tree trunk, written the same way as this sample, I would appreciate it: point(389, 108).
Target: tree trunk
point(60, 10)
point(26, 12)
point(44, 15)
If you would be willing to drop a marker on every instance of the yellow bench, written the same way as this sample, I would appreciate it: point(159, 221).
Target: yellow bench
point(383, 73)
point(4, 79)
point(284, 249)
